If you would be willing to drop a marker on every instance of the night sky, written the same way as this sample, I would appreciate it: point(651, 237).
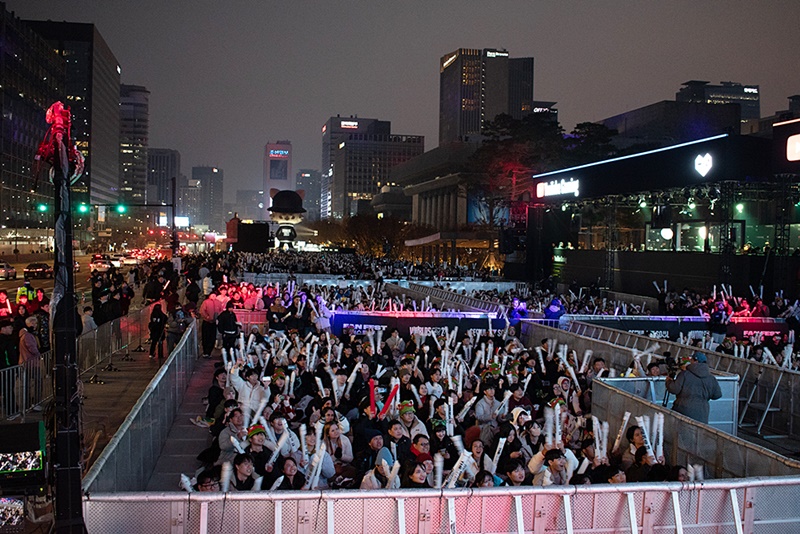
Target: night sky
point(228, 76)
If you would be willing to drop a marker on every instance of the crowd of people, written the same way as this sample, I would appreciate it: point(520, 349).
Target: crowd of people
point(292, 406)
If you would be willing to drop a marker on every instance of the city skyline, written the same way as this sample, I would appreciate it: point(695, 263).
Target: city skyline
point(306, 62)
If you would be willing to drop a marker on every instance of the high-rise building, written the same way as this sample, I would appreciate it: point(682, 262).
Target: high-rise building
point(477, 85)
point(134, 123)
point(190, 202)
point(310, 181)
point(163, 165)
point(747, 96)
point(211, 213)
point(357, 155)
point(32, 77)
point(92, 91)
point(277, 171)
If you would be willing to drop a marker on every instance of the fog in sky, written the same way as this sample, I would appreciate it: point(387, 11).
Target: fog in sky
point(226, 77)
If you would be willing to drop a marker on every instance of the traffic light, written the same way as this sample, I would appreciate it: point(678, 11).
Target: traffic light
point(42, 207)
point(83, 208)
point(121, 208)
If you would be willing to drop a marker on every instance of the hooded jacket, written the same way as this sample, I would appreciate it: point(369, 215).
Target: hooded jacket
point(693, 388)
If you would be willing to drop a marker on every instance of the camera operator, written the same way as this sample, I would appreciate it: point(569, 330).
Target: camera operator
point(693, 387)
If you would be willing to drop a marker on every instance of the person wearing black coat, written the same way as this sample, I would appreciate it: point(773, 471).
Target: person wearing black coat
point(157, 326)
point(228, 327)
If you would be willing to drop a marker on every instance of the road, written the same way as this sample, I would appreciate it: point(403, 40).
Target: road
point(82, 283)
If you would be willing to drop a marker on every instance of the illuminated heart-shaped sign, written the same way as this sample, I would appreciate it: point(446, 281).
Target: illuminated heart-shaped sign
point(702, 164)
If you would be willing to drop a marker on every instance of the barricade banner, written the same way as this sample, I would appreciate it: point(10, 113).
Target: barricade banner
point(673, 327)
point(405, 321)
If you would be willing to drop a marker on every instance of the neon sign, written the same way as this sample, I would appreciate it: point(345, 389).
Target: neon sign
point(281, 154)
point(557, 188)
point(703, 164)
point(349, 124)
point(492, 53)
point(751, 90)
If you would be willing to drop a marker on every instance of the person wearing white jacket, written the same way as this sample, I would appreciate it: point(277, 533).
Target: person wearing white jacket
point(536, 465)
point(250, 391)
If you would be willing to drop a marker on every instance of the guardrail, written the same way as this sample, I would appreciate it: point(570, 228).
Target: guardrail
point(450, 297)
point(25, 386)
point(128, 460)
point(747, 505)
point(769, 391)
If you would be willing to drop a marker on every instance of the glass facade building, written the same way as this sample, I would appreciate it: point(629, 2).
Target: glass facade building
point(134, 121)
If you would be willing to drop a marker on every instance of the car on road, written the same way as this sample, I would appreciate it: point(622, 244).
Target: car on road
point(100, 266)
point(7, 270)
point(129, 260)
point(116, 260)
point(38, 270)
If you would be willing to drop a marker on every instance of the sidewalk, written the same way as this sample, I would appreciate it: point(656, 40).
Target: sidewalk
point(185, 440)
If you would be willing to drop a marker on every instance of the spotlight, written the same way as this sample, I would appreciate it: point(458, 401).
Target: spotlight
point(739, 207)
point(691, 204)
point(666, 233)
point(642, 202)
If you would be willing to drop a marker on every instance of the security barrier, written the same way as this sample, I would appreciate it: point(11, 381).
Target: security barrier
point(743, 506)
point(768, 391)
point(25, 386)
point(128, 460)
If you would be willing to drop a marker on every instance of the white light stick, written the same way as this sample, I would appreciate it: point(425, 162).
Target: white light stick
point(292, 378)
point(641, 422)
point(466, 408)
point(319, 386)
point(660, 441)
point(604, 441)
point(585, 362)
point(186, 483)
point(450, 424)
point(460, 380)
point(503, 405)
point(622, 428)
point(250, 340)
point(656, 286)
point(225, 477)
point(438, 468)
point(303, 446)
point(690, 472)
point(477, 359)
point(665, 285)
point(598, 430)
point(501, 443)
point(541, 358)
point(351, 378)
point(770, 357)
point(416, 395)
point(557, 424)
point(285, 387)
point(458, 443)
point(281, 443)
point(237, 445)
point(549, 419)
point(458, 470)
point(257, 484)
point(584, 466)
point(392, 475)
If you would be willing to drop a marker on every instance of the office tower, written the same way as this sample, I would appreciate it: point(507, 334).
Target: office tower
point(747, 96)
point(477, 85)
point(134, 123)
point(310, 181)
point(210, 181)
point(190, 202)
point(163, 164)
point(357, 155)
point(277, 171)
point(32, 77)
point(92, 91)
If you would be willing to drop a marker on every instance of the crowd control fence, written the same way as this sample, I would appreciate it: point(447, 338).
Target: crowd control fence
point(768, 393)
point(722, 506)
point(30, 384)
point(128, 460)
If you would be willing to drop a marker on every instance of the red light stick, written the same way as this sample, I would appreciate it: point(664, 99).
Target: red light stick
point(388, 403)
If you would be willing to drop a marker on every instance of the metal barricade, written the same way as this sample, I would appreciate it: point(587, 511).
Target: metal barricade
point(747, 505)
point(250, 318)
point(128, 460)
point(768, 391)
